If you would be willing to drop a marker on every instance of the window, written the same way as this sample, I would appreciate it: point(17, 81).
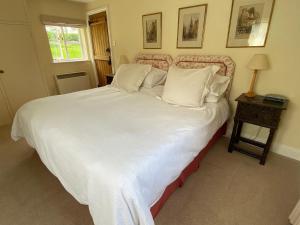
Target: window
point(65, 43)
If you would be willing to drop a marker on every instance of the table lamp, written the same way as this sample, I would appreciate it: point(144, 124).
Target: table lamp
point(257, 62)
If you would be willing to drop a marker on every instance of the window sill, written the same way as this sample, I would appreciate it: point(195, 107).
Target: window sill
point(70, 61)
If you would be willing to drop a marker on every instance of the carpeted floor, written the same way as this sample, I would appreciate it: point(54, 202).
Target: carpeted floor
point(228, 189)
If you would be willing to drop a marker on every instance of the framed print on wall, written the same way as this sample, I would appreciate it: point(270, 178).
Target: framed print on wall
point(152, 24)
point(191, 25)
point(249, 23)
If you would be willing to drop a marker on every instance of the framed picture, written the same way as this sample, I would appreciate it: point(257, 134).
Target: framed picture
point(152, 24)
point(191, 24)
point(249, 23)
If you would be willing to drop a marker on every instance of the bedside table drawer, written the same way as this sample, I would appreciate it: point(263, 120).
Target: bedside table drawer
point(259, 115)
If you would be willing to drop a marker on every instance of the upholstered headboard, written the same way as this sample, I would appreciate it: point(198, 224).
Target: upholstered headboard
point(226, 64)
point(160, 61)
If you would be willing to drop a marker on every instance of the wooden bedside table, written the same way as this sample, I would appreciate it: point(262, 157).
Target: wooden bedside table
point(259, 112)
point(109, 78)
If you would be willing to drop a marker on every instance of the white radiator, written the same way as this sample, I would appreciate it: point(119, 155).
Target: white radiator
point(72, 82)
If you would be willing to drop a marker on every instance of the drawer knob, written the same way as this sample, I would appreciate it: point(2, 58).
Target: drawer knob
point(1, 71)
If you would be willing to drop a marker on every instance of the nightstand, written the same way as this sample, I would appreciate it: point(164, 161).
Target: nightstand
point(109, 78)
point(259, 112)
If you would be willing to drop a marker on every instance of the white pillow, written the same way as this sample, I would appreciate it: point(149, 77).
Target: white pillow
point(154, 77)
point(217, 88)
point(130, 76)
point(155, 91)
point(188, 87)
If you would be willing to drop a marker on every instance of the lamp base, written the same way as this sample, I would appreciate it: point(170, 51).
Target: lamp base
point(250, 94)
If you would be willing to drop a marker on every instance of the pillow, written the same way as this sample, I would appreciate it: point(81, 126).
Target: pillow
point(217, 88)
point(154, 77)
point(130, 76)
point(155, 91)
point(188, 87)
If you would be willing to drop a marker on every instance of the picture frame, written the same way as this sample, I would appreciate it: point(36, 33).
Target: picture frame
point(191, 26)
point(249, 23)
point(152, 30)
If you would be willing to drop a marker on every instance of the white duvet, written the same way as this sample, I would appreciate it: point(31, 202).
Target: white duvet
point(114, 151)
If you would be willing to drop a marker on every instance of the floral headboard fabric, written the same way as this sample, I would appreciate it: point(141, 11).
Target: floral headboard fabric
point(227, 66)
point(160, 61)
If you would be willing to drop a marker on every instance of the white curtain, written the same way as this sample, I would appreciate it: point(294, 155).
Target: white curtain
point(295, 215)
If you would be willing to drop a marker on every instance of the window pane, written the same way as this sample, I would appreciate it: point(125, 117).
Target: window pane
point(56, 50)
point(73, 43)
point(65, 43)
point(55, 38)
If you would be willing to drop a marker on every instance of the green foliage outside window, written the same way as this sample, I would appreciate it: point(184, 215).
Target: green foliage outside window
point(65, 43)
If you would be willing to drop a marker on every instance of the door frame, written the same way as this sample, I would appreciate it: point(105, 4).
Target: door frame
point(104, 8)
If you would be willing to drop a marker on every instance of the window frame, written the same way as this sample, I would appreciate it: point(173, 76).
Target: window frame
point(82, 42)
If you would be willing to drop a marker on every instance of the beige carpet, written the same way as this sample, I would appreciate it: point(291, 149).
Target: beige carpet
point(228, 189)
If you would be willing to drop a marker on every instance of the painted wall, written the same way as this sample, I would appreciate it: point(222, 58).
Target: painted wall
point(282, 48)
point(55, 8)
point(21, 80)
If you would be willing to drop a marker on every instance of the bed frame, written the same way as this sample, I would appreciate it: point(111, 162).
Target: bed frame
point(164, 61)
point(160, 61)
point(191, 168)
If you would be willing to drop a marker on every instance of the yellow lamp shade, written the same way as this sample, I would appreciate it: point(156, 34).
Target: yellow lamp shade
point(259, 62)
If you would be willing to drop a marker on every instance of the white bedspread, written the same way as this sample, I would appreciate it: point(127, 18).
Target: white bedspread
point(116, 152)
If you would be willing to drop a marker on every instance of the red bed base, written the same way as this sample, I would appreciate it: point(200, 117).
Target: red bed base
point(192, 167)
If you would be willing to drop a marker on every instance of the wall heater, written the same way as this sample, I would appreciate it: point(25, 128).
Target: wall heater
point(71, 82)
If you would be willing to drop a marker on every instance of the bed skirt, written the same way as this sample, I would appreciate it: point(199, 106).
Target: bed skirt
point(295, 215)
point(192, 167)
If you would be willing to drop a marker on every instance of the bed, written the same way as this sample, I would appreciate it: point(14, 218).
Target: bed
point(123, 154)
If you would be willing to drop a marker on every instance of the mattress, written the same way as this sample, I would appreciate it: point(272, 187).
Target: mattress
point(115, 151)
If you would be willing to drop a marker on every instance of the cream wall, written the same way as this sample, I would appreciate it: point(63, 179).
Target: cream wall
point(55, 8)
point(282, 48)
point(21, 80)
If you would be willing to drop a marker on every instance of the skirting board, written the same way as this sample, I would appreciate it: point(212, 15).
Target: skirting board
point(277, 148)
point(286, 150)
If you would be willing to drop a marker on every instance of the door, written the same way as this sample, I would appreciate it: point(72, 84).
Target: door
point(101, 47)
point(21, 80)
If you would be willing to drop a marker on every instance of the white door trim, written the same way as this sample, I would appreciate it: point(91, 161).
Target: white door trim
point(104, 8)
